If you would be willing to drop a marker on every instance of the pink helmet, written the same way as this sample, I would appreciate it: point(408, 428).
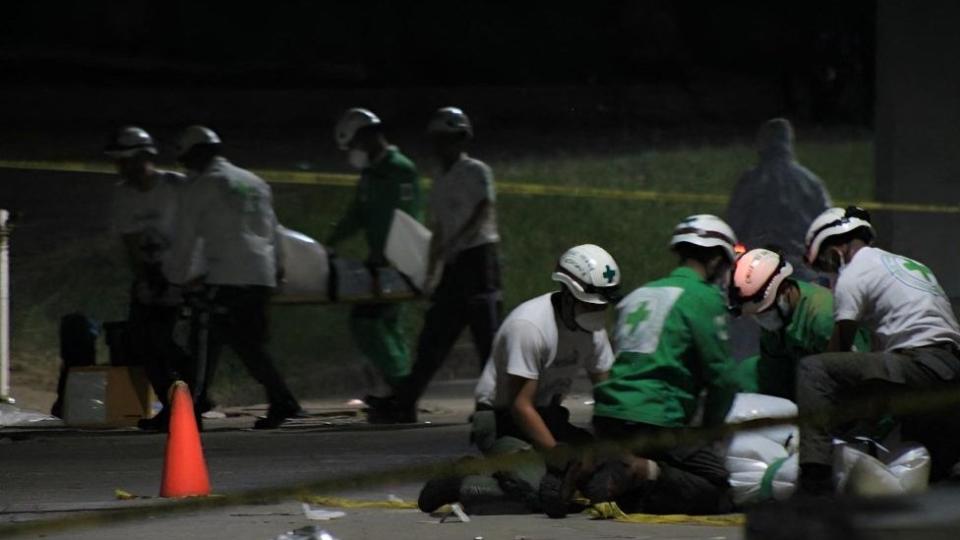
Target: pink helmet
point(757, 276)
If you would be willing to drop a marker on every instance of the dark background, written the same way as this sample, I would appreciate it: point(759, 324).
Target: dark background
point(809, 60)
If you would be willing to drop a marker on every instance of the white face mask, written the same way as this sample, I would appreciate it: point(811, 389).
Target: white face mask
point(591, 321)
point(358, 158)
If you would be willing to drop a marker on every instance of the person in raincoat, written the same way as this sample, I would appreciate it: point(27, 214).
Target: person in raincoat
point(775, 202)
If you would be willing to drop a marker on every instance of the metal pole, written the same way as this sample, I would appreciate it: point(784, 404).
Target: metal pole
point(5, 307)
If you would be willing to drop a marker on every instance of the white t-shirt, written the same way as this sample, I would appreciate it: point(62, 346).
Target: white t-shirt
point(454, 197)
point(532, 343)
point(896, 298)
point(152, 215)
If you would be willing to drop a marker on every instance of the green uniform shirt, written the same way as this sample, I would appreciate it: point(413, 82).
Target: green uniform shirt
point(671, 343)
point(808, 332)
point(392, 182)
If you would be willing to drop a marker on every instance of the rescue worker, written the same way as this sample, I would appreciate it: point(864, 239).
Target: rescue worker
point(795, 317)
point(671, 343)
point(388, 181)
point(147, 206)
point(231, 209)
point(465, 241)
point(900, 301)
point(538, 351)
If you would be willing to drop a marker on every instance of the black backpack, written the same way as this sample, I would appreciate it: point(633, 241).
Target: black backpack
point(78, 347)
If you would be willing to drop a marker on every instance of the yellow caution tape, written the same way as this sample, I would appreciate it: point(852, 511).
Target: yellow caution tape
point(278, 176)
point(343, 502)
point(610, 510)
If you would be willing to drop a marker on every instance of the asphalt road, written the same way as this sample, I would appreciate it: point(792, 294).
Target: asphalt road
point(56, 474)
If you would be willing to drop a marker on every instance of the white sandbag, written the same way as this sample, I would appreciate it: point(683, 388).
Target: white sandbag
point(760, 469)
point(748, 406)
point(898, 473)
point(306, 268)
point(408, 249)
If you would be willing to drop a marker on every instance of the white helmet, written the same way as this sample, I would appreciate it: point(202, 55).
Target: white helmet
point(590, 273)
point(350, 123)
point(450, 120)
point(757, 276)
point(130, 141)
point(834, 222)
point(706, 230)
point(193, 136)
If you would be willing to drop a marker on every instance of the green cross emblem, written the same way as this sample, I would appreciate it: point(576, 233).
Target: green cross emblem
point(914, 266)
point(609, 273)
point(637, 316)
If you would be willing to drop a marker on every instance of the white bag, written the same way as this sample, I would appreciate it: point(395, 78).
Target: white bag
point(408, 249)
point(760, 469)
point(899, 473)
point(306, 268)
point(747, 406)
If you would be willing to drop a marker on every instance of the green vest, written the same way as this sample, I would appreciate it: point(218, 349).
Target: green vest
point(671, 343)
point(807, 333)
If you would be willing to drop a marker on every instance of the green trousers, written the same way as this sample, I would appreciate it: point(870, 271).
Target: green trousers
point(378, 332)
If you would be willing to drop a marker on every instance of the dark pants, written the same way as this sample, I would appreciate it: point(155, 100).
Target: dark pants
point(468, 295)
point(163, 361)
point(238, 318)
point(693, 479)
point(491, 426)
point(862, 384)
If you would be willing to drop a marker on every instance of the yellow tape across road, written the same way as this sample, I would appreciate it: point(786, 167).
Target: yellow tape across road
point(277, 176)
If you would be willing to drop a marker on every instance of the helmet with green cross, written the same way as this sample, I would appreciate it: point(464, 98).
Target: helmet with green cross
point(589, 273)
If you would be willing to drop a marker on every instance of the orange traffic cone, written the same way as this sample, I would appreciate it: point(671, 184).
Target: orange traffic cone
point(184, 469)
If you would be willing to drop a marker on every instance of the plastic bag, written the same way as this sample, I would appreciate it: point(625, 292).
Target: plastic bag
point(905, 471)
point(15, 416)
point(748, 406)
point(760, 469)
point(306, 267)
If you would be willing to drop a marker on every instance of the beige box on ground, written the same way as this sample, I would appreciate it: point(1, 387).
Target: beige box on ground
point(107, 396)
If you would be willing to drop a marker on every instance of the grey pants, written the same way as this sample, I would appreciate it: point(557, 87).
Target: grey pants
point(866, 382)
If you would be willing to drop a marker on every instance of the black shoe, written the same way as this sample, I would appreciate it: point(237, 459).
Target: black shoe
point(558, 486)
point(160, 423)
point(277, 416)
point(389, 411)
point(380, 402)
point(438, 492)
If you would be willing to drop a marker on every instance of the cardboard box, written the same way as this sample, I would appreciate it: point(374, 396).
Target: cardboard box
point(107, 396)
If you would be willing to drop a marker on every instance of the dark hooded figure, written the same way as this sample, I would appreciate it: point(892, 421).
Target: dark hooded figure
point(775, 202)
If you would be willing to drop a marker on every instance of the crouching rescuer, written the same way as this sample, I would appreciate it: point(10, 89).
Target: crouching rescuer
point(537, 353)
point(671, 343)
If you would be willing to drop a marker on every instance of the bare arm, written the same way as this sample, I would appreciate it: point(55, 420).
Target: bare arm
point(524, 413)
point(844, 332)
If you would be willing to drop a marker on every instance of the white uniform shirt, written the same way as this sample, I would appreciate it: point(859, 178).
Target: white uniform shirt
point(532, 343)
point(231, 210)
point(454, 197)
point(896, 298)
point(151, 215)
